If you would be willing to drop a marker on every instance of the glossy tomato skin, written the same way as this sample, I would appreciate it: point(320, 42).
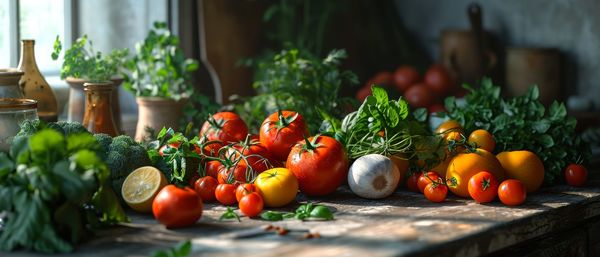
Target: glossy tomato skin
point(245, 189)
point(412, 182)
point(211, 149)
point(406, 76)
point(227, 127)
point(239, 173)
point(483, 187)
point(576, 175)
point(435, 192)
point(252, 154)
point(419, 96)
point(320, 171)
point(512, 192)
point(212, 168)
point(483, 139)
point(225, 194)
point(251, 204)
point(439, 80)
point(426, 179)
point(280, 133)
point(277, 186)
point(177, 207)
point(205, 187)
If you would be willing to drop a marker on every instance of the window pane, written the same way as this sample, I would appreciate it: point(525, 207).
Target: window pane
point(4, 35)
point(43, 21)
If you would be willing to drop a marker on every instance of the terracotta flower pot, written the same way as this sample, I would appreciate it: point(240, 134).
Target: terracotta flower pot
point(77, 100)
point(156, 113)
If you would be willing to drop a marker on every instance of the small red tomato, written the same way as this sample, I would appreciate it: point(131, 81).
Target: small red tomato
point(512, 192)
point(426, 179)
point(211, 149)
point(227, 127)
point(435, 192)
point(439, 80)
point(406, 76)
point(435, 108)
point(245, 189)
point(382, 78)
point(576, 175)
point(412, 182)
point(177, 207)
point(205, 187)
point(251, 152)
point(363, 92)
point(239, 174)
point(483, 187)
point(225, 194)
point(212, 168)
point(419, 96)
point(251, 205)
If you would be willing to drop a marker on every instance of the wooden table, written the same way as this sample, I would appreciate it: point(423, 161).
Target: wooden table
point(556, 221)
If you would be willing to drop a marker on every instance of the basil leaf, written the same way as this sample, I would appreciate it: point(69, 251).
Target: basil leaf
point(321, 212)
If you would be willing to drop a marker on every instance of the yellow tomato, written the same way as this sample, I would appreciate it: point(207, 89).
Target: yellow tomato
point(449, 125)
point(524, 166)
point(483, 139)
point(465, 165)
point(277, 186)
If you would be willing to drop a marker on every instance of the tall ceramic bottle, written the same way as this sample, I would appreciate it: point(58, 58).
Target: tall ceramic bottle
point(34, 85)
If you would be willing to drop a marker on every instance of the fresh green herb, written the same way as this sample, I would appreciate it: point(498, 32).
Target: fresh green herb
point(179, 163)
point(294, 80)
point(159, 68)
point(306, 211)
point(522, 123)
point(53, 189)
point(182, 249)
point(80, 62)
point(229, 215)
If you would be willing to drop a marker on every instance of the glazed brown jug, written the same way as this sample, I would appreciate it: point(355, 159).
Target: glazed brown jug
point(98, 117)
point(467, 53)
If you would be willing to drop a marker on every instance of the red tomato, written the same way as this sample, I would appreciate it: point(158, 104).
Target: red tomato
point(382, 78)
point(438, 80)
point(227, 127)
point(252, 153)
point(435, 108)
point(280, 131)
point(363, 92)
point(251, 205)
point(321, 165)
point(406, 76)
point(512, 192)
point(419, 96)
point(212, 168)
point(483, 187)
point(225, 194)
point(177, 207)
point(412, 182)
point(426, 179)
point(576, 175)
point(435, 192)
point(239, 173)
point(245, 189)
point(211, 149)
point(205, 187)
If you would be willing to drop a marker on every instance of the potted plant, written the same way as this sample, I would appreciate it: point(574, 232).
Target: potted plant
point(160, 78)
point(82, 65)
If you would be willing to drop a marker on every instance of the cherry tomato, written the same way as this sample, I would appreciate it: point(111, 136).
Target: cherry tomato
point(406, 76)
point(252, 153)
point(483, 139)
point(212, 168)
point(177, 207)
point(412, 182)
point(448, 126)
point(382, 78)
point(419, 96)
point(251, 205)
point(280, 131)
point(227, 127)
point(245, 189)
point(225, 194)
point(435, 192)
point(435, 108)
point(426, 179)
point(240, 174)
point(438, 80)
point(363, 92)
point(576, 175)
point(483, 187)
point(320, 164)
point(205, 187)
point(512, 192)
point(210, 149)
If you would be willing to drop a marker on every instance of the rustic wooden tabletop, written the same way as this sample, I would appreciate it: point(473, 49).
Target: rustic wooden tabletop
point(405, 224)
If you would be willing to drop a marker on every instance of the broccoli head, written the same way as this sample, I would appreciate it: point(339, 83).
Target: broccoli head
point(138, 157)
point(117, 164)
point(72, 127)
point(104, 140)
point(125, 139)
point(120, 147)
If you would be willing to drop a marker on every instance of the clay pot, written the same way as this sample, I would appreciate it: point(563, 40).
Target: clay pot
point(526, 67)
point(156, 113)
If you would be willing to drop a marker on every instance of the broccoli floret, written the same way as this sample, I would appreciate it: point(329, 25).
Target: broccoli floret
point(126, 139)
point(58, 128)
point(120, 147)
point(117, 164)
point(72, 127)
point(29, 127)
point(104, 140)
point(138, 157)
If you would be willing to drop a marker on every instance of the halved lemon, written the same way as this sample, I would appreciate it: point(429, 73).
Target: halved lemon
point(141, 186)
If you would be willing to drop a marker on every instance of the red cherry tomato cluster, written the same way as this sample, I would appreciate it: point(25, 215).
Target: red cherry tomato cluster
point(427, 91)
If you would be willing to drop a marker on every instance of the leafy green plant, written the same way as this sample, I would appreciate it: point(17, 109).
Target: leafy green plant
point(182, 249)
point(159, 68)
point(80, 62)
point(308, 211)
point(522, 123)
point(294, 80)
point(53, 189)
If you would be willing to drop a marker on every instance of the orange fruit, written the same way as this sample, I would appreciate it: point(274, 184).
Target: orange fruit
point(524, 166)
point(483, 139)
point(462, 167)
